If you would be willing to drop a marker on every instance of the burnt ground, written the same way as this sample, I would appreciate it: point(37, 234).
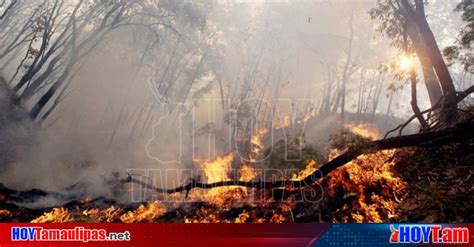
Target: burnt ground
point(440, 183)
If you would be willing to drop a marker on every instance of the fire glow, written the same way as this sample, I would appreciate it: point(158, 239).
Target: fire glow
point(356, 178)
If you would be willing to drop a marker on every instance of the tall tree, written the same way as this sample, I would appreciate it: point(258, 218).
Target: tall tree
point(399, 16)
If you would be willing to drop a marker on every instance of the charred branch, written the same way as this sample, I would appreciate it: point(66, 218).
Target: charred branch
point(460, 132)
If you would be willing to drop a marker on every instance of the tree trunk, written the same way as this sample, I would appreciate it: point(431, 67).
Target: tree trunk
point(388, 107)
point(414, 102)
point(431, 82)
point(433, 52)
point(346, 71)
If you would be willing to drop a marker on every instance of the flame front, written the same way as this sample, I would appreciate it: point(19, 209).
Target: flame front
point(311, 167)
point(365, 190)
point(215, 171)
point(148, 213)
point(364, 130)
point(218, 169)
point(247, 173)
point(363, 176)
point(57, 215)
point(257, 144)
point(103, 215)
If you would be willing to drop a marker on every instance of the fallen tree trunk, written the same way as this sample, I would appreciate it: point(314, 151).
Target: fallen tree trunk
point(460, 132)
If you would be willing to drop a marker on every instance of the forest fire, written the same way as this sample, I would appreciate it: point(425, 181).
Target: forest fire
point(107, 214)
point(220, 169)
point(365, 190)
point(370, 179)
point(374, 188)
point(149, 213)
point(257, 144)
point(236, 111)
point(364, 130)
point(308, 170)
point(57, 215)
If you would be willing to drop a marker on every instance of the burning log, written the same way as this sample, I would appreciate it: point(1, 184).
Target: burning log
point(460, 132)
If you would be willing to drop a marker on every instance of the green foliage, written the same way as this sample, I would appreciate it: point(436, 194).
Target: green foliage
point(296, 156)
point(188, 13)
point(389, 23)
point(461, 51)
point(239, 116)
point(345, 139)
point(392, 24)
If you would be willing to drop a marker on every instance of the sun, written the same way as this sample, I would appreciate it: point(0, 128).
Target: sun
point(405, 63)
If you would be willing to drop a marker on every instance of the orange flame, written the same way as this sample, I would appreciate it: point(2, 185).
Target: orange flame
point(243, 217)
point(367, 171)
point(311, 167)
point(364, 130)
point(148, 213)
point(218, 169)
point(103, 215)
point(257, 144)
point(5, 213)
point(57, 215)
point(309, 115)
point(247, 173)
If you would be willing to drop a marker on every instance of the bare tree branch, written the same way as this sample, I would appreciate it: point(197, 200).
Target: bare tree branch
point(441, 103)
point(9, 8)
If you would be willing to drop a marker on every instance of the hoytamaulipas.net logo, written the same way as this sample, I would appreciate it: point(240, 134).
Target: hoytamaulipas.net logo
point(70, 234)
point(429, 234)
